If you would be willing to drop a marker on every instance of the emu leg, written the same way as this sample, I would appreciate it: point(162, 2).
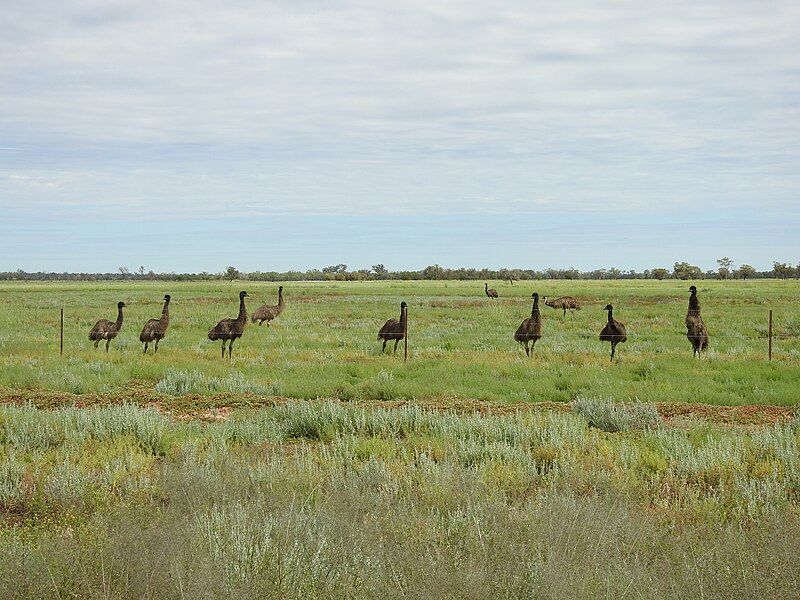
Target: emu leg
point(613, 348)
point(107, 343)
point(95, 344)
point(384, 346)
point(223, 349)
point(397, 341)
point(527, 350)
point(565, 312)
point(145, 347)
point(156, 350)
point(230, 348)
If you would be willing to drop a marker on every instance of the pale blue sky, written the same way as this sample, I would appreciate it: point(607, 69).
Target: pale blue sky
point(188, 136)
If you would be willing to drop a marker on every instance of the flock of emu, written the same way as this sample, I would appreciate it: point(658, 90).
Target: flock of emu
point(527, 334)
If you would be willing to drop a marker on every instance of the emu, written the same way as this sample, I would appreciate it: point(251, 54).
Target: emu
point(105, 329)
point(565, 303)
point(394, 329)
point(613, 332)
point(230, 329)
point(696, 331)
point(490, 292)
point(530, 330)
point(155, 329)
point(267, 312)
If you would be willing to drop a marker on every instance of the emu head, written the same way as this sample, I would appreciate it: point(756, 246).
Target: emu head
point(608, 307)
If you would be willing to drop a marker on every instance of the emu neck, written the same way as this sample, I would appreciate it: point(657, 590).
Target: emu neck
point(403, 317)
point(694, 303)
point(535, 309)
point(610, 317)
point(280, 297)
point(242, 311)
point(165, 311)
point(118, 324)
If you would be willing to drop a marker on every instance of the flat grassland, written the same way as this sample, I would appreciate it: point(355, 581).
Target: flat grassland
point(376, 491)
point(461, 345)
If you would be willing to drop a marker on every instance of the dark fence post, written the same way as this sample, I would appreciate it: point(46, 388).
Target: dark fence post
point(405, 334)
point(62, 333)
point(770, 335)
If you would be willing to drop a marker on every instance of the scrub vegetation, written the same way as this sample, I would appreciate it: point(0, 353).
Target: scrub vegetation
point(320, 499)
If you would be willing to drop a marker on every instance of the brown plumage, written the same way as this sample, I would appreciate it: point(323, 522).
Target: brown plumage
point(696, 331)
point(491, 292)
point(394, 329)
point(530, 329)
point(105, 329)
point(565, 303)
point(613, 332)
point(267, 312)
point(230, 329)
point(155, 329)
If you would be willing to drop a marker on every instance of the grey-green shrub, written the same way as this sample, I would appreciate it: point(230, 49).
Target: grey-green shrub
point(617, 416)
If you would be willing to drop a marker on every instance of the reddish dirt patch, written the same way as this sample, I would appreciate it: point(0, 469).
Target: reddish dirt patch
point(218, 407)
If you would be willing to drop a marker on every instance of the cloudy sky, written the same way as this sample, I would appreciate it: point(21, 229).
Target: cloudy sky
point(269, 135)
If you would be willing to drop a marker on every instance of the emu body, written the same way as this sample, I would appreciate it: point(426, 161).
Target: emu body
point(490, 292)
point(696, 331)
point(266, 312)
point(394, 329)
point(530, 330)
point(155, 329)
point(565, 303)
point(230, 330)
point(613, 332)
point(105, 329)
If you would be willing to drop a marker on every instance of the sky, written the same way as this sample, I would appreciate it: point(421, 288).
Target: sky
point(277, 135)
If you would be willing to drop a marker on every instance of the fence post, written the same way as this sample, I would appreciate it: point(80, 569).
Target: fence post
point(770, 335)
point(61, 339)
point(405, 334)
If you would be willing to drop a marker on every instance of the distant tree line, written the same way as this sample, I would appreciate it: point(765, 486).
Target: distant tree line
point(680, 270)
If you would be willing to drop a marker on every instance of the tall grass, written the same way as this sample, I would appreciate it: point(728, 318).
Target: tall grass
point(317, 499)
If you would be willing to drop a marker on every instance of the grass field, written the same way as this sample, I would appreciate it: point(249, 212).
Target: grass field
point(461, 344)
point(349, 498)
point(319, 499)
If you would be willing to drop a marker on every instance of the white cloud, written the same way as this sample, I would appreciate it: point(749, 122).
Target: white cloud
point(398, 107)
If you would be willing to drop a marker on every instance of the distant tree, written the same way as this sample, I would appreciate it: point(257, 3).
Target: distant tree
point(124, 272)
point(782, 270)
point(333, 269)
point(432, 272)
point(141, 271)
point(684, 270)
point(380, 271)
point(659, 273)
point(232, 273)
point(725, 267)
point(745, 271)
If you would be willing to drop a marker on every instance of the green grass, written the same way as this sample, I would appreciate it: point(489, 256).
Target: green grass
point(316, 499)
point(461, 343)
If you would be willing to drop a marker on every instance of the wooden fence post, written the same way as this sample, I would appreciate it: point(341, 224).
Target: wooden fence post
point(61, 350)
point(405, 334)
point(770, 335)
